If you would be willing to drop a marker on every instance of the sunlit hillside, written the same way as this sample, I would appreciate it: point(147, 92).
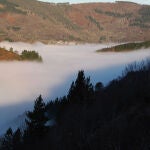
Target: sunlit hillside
point(31, 20)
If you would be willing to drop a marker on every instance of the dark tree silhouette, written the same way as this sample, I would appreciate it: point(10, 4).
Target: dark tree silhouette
point(99, 86)
point(17, 140)
point(7, 140)
point(81, 90)
point(117, 119)
point(36, 121)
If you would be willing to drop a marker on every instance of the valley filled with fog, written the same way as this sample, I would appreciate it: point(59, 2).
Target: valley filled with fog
point(22, 82)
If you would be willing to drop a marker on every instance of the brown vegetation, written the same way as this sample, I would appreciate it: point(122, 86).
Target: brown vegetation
point(25, 55)
point(91, 22)
point(8, 55)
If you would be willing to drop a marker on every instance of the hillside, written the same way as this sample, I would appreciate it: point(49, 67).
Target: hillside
point(127, 47)
point(112, 117)
point(31, 20)
point(10, 55)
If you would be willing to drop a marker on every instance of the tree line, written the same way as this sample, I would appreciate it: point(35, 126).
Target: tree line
point(112, 117)
point(127, 47)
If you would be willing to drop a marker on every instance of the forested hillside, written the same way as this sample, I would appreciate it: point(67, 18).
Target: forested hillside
point(112, 117)
point(127, 47)
point(10, 55)
point(31, 20)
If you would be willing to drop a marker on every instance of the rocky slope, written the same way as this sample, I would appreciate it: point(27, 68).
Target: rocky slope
point(31, 20)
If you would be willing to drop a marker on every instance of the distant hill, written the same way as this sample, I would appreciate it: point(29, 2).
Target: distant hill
point(127, 47)
point(31, 20)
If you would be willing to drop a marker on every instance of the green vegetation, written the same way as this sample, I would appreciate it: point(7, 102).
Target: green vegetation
point(138, 22)
point(71, 38)
point(54, 13)
point(94, 21)
point(65, 21)
point(8, 39)
point(2, 33)
point(102, 38)
point(126, 47)
point(31, 56)
point(141, 22)
point(16, 28)
point(58, 12)
point(10, 7)
point(24, 56)
point(144, 19)
point(118, 15)
point(113, 14)
point(99, 11)
point(145, 13)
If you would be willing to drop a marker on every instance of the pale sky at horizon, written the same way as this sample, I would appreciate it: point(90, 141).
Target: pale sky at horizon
point(84, 1)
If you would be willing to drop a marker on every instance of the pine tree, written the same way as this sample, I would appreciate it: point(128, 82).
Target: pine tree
point(17, 140)
point(36, 121)
point(99, 86)
point(7, 140)
point(81, 90)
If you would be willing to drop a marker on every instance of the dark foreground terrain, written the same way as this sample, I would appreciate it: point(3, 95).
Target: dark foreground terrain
point(114, 117)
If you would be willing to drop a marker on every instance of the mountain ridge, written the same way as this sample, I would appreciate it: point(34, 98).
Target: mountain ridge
point(32, 20)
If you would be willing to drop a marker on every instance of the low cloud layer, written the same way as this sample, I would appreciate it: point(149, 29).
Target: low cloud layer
point(22, 82)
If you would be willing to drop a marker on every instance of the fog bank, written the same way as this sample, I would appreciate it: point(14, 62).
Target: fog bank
point(22, 82)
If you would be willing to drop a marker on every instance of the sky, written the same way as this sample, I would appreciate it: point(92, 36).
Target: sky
point(83, 1)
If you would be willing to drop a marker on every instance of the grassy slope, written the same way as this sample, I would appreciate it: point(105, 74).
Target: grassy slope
point(127, 47)
point(95, 22)
point(7, 55)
